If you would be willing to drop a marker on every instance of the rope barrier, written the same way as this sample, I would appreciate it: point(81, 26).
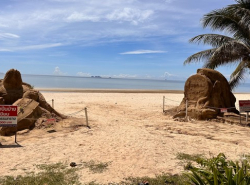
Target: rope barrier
point(74, 113)
point(172, 100)
point(221, 107)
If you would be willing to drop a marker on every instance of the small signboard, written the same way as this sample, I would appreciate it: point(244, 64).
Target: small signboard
point(244, 105)
point(223, 110)
point(8, 116)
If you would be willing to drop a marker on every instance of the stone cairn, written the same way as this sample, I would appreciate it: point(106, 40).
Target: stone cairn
point(32, 106)
point(205, 93)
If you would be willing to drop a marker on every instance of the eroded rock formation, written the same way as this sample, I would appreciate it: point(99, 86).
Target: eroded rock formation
point(31, 104)
point(206, 92)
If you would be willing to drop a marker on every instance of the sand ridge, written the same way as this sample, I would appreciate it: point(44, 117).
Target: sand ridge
point(128, 131)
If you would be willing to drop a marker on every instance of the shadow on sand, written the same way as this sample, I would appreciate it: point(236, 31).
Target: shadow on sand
point(11, 146)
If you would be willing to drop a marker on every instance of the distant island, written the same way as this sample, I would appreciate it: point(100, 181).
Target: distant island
point(96, 77)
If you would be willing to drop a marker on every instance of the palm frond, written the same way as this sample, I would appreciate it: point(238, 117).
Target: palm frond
point(200, 56)
point(237, 75)
point(220, 19)
point(228, 53)
point(215, 40)
point(227, 19)
point(242, 9)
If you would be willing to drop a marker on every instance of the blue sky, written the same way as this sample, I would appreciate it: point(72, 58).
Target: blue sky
point(109, 38)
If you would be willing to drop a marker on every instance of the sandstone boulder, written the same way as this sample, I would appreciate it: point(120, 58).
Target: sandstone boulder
point(12, 79)
point(31, 103)
point(206, 92)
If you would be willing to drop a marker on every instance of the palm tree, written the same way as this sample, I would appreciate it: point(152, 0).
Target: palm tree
point(235, 49)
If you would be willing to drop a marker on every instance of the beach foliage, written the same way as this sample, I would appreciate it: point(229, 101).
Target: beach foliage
point(189, 157)
point(49, 174)
point(206, 171)
point(219, 170)
point(96, 167)
point(162, 179)
point(233, 20)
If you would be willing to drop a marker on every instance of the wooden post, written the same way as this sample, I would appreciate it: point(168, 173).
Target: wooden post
point(15, 134)
point(86, 115)
point(186, 108)
point(240, 118)
point(163, 103)
point(53, 103)
point(247, 117)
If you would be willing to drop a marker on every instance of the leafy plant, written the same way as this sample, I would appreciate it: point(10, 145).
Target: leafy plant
point(163, 179)
point(219, 170)
point(188, 159)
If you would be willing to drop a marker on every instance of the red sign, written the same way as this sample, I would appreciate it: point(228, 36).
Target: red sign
point(8, 115)
point(244, 105)
point(50, 120)
point(223, 110)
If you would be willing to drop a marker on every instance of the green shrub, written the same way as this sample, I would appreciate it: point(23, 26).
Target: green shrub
point(219, 170)
point(163, 179)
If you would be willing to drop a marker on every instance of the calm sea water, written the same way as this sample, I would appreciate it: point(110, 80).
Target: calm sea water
point(43, 81)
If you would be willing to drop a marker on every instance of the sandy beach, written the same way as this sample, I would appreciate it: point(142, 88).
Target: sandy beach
point(128, 131)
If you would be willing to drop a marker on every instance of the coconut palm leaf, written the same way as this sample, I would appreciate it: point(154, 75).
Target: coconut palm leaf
point(242, 9)
point(230, 52)
point(215, 40)
point(203, 55)
point(227, 20)
point(220, 19)
point(237, 75)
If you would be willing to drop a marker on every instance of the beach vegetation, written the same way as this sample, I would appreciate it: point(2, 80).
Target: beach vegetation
point(233, 20)
point(96, 167)
point(219, 170)
point(49, 174)
point(205, 171)
point(162, 179)
point(187, 160)
point(189, 157)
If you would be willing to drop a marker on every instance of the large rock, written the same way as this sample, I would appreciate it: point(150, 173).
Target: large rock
point(206, 92)
point(12, 79)
point(31, 103)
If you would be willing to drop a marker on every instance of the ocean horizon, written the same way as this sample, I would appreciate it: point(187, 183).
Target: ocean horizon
point(97, 82)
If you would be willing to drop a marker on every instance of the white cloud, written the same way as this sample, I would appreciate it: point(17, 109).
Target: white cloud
point(83, 74)
point(57, 71)
point(120, 76)
point(5, 50)
point(8, 36)
point(33, 47)
point(129, 14)
point(167, 74)
point(3, 25)
point(84, 22)
point(79, 17)
point(137, 52)
point(39, 46)
point(125, 76)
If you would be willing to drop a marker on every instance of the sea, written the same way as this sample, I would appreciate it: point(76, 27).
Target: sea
point(75, 82)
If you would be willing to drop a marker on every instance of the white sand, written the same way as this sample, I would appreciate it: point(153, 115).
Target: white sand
point(128, 130)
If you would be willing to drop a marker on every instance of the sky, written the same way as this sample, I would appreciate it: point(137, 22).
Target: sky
point(108, 38)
